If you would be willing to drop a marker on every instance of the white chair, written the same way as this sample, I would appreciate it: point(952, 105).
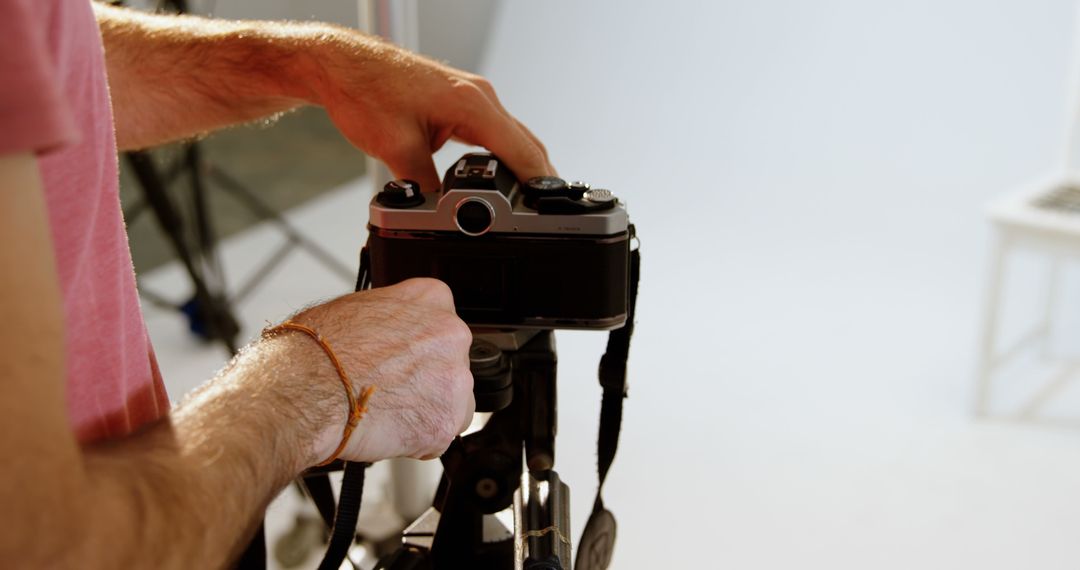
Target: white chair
point(1044, 218)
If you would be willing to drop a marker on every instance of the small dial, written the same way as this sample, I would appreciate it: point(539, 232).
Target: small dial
point(545, 183)
point(577, 189)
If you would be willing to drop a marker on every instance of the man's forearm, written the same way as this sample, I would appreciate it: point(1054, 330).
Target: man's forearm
point(188, 492)
point(174, 77)
point(177, 76)
point(183, 492)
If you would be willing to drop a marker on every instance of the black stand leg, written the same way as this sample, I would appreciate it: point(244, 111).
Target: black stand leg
point(210, 306)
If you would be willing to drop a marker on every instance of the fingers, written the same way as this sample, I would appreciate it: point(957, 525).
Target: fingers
point(478, 119)
point(425, 291)
point(500, 134)
point(410, 157)
point(550, 168)
point(486, 124)
point(464, 413)
point(488, 91)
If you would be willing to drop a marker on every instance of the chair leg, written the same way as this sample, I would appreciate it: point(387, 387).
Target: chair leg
point(988, 345)
point(1053, 276)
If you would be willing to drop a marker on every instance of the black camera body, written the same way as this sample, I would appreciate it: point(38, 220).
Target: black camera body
point(545, 254)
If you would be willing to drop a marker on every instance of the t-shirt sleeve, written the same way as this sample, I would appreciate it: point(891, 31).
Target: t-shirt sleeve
point(33, 113)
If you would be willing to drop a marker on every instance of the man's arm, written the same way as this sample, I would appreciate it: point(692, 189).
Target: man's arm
point(186, 492)
point(173, 77)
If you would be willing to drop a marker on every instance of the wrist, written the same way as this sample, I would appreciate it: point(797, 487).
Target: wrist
point(336, 56)
point(293, 383)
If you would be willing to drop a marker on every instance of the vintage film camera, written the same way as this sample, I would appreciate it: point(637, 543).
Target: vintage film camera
point(545, 254)
point(521, 259)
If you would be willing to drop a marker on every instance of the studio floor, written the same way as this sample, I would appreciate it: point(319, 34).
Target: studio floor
point(814, 252)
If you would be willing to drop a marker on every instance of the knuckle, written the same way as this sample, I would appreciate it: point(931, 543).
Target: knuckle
point(404, 289)
point(538, 154)
point(439, 290)
point(472, 91)
point(534, 156)
point(424, 288)
point(457, 330)
point(484, 85)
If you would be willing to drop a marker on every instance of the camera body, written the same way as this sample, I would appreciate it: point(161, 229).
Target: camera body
point(544, 254)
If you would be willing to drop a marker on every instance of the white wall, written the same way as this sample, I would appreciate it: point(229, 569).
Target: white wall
point(807, 178)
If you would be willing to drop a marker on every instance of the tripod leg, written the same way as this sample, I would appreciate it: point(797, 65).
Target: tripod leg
point(221, 325)
point(206, 238)
point(238, 191)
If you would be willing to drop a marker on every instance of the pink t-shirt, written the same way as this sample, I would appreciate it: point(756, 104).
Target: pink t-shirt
point(54, 101)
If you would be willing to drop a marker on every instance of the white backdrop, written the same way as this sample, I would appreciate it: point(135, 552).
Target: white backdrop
point(807, 179)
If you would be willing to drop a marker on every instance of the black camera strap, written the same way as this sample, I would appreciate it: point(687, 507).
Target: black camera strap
point(598, 539)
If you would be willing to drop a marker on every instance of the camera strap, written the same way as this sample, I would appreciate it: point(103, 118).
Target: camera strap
point(598, 539)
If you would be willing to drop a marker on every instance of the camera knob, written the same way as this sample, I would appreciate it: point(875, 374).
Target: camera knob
point(544, 185)
point(540, 187)
point(600, 195)
point(577, 189)
point(400, 193)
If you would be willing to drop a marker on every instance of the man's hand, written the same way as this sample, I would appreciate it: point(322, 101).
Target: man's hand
point(401, 108)
point(173, 77)
point(188, 490)
point(407, 342)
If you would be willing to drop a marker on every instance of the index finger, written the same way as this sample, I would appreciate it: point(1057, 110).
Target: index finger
point(489, 127)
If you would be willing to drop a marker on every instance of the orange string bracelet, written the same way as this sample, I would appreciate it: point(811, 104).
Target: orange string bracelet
point(357, 408)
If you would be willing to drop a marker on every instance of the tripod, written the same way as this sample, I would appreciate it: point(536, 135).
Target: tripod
point(499, 504)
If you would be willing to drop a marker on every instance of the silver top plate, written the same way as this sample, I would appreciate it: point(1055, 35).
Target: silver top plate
point(510, 216)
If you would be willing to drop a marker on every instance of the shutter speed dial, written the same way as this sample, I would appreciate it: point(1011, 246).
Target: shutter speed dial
point(543, 185)
point(553, 195)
